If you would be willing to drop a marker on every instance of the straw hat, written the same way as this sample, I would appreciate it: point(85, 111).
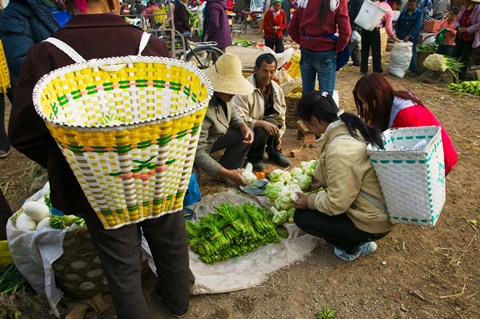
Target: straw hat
point(226, 76)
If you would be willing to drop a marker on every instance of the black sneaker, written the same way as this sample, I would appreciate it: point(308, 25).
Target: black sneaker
point(279, 159)
point(258, 165)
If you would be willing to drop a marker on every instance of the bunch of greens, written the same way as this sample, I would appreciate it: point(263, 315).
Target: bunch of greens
point(441, 63)
point(230, 232)
point(472, 87)
point(430, 47)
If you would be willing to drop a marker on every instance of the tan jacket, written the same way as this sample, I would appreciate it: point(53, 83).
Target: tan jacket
point(252, 107)
point(215, 124)
point(344, 167)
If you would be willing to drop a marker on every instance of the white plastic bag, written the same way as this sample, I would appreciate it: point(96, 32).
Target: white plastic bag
point(400, 58)
point(369, 15)
point(34, 253)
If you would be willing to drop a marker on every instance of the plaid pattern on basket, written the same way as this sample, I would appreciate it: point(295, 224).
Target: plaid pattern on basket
point(411, 173)
point(128, 128)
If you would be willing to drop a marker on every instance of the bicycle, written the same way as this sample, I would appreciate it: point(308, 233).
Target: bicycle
point(200, 54)
point(249, 20)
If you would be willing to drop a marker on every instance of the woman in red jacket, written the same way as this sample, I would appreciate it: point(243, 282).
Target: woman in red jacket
point(383, 107)
point(274, 22)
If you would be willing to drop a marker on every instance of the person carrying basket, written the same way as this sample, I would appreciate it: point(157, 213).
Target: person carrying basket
point(97, 31)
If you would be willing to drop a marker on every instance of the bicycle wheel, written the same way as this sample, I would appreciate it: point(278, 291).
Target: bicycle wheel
point(203, 57)
point(243, 26)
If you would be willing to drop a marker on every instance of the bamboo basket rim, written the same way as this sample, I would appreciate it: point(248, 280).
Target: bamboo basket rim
point(118, 61)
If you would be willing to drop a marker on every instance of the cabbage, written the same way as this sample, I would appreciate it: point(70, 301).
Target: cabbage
point(272, 189)
point(309, 167)
point(296, 171)
point(304, 181)
point(280, 175)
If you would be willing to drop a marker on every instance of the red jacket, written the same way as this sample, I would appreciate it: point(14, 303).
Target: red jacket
point(269, 21)
point(419, 115)
point(307, 29)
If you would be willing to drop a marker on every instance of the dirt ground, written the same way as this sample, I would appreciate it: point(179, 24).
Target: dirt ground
point(416, 273)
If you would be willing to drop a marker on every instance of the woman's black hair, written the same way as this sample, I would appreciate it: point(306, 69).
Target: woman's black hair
point(324, 108)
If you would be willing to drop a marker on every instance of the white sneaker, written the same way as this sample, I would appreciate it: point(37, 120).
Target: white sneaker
point(364, 249)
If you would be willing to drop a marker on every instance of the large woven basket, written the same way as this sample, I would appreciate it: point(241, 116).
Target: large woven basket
point(128, 128)
point(412, 181)
point(291, 101)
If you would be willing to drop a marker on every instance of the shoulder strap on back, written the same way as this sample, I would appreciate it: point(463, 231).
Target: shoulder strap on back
point(68, 50)
point(143, 42)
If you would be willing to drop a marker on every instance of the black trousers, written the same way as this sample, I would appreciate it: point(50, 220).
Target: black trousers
point(371, 39)
point(261, 143)
point(338, 230)
point(5, 213)
point(355, 48)
point(276, 45)
point(120, 253)
point(463, 51)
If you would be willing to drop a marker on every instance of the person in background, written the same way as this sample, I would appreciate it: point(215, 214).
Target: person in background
point(440, 7)
point(181, 18)
point(274, 23)
point(426, 6)
point(223, 128)
point(397, 9)
point(372, 40)
point(351, 215)
point(215, 24)
point(467, 38)
point(313, 26)
point(149, 13)
point(354, 7)
point(97, 31)
point(446, 33)
point(286, 7)
point(383, 107)
point(138, 8)
point(407, 28)
point(264, 111)
point(24, 23)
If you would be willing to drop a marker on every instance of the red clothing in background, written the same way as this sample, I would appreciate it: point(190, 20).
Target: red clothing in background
point(310, 31)
point(449, 37)
point(270, 20)
point(418, 115)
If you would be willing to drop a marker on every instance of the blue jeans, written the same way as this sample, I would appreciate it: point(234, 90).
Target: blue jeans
point(318, 64)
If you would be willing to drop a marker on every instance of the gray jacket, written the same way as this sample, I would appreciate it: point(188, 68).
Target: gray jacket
point(215, 124)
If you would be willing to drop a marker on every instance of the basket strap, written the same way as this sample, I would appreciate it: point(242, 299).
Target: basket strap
point(143, 42)
point(68, 50)
point(374, 201)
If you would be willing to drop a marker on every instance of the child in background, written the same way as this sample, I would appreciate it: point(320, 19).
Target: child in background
point(274, 23)
point(446, 33)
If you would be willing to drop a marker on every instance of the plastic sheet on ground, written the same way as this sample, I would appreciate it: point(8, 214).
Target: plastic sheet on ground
point(254, 268)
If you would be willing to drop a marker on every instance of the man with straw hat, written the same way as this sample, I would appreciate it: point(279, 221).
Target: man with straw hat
point(223, 128)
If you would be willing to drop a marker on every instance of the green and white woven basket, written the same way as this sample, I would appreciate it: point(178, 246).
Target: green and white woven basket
point(411, 173)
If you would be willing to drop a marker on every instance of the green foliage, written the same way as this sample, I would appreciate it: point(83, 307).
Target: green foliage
point(326, 313)
point(230, 232)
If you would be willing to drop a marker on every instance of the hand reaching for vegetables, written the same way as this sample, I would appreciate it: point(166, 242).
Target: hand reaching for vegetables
point(235, 175)
point(301, 202)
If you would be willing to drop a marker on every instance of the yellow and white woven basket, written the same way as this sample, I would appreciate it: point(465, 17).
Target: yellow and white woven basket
point(129, 128)
point(412, 180)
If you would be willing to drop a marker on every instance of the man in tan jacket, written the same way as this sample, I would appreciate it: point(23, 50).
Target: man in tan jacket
point(264, 112)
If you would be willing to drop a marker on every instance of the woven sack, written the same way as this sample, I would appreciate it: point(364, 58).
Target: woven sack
point(411, 173)
point(78, 272)
point(128, 127)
